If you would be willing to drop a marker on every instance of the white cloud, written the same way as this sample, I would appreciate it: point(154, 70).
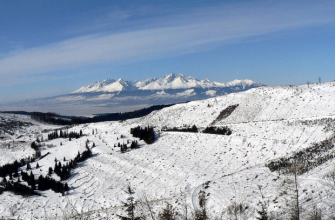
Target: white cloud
point(197, 30)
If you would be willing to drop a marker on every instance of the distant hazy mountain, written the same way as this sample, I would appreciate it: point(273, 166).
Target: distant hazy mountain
point(121, 95)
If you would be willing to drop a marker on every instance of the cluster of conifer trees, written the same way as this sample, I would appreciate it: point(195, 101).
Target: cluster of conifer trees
point(124, 147)
point(10, 168)
point(209, 130)
point(147, 134)
point(217, 130)
point(63, 171)
point(17, 188)
point(44, 183)
point(65, 134)
point(306, 159)
point(193, 129)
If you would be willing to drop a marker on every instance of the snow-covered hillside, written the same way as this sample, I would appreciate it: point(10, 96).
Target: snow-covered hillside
point(267, 123)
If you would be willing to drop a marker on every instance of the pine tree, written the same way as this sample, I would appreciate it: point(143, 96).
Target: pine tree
point(202, 213)
point(66, 187)
point(168, 213)
point(16, 174)
point(28, 166)
point(32, 181)
point(130, 205)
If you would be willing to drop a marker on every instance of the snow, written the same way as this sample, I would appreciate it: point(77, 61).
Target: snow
point(211, 92)
point(268, 123)
point(94, 86)
point(189, 92)
point(243, 83)
point(171, 81)
point(152, 86)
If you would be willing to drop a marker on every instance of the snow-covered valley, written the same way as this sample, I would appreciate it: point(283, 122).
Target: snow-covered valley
point(267, 123)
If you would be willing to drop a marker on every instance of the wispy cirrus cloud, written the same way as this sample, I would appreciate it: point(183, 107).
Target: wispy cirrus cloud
point(170, 35)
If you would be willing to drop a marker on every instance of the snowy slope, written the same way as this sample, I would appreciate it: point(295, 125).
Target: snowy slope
point(268, 123)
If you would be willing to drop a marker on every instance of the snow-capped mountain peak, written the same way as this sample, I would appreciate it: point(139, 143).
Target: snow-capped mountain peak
point(171, 81)
point(243, 83)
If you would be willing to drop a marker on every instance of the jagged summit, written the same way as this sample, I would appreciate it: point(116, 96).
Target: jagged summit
point(171, 81)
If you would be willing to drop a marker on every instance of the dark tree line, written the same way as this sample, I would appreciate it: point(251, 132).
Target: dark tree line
point(147, 134)
point(217, 130)
point(50, 117)
point(12, 168)
point(306, 159)
point(208, 130)
point(44, 183)
point(65, 134)
point(17, 188)
point(193, 129)
point(54, 118)
point(119, 116)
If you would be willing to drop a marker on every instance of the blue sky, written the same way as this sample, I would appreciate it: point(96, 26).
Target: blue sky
point(54, 47)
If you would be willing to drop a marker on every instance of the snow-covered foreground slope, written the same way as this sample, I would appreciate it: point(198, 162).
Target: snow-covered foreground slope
point(267, 123)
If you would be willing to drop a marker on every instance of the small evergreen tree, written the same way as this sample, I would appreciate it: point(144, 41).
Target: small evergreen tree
point(32, 181)
point(66, 187)
point(28, 166)
point(168, 213)
point(202, 213)
point(130, 205)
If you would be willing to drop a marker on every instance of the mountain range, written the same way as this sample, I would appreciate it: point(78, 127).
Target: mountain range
point(120, 95)
point(171, 81)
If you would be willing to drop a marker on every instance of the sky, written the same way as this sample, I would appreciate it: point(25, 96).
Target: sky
point(54, 47)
